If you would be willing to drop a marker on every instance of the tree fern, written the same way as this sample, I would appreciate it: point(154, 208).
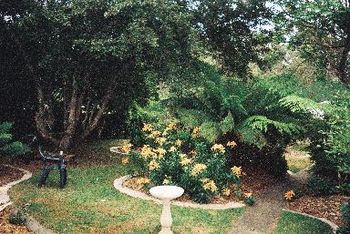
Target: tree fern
point(298, 104)
point(262, 123)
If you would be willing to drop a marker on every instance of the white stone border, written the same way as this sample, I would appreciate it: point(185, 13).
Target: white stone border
point(333, 226)
point(31, 223)
point(118, 184)
point(4, 197)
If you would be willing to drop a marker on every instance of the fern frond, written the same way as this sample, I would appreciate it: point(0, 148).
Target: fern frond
point(261, 123)
point(227, 124)
point(191, 118)
point(252, 136)
point(210, 131)
point(298, 104)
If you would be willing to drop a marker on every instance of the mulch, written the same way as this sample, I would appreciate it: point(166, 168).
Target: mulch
point(8, 174)
point(327, 207)
point(257, 180)
point(7, 227)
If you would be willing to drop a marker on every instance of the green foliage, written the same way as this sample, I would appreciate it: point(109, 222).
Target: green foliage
point(345, 210)
point(319, 29)
point(267, 113)
point(262, 123)
point(321, 186)
point(98, 56)
point(250, 200)
point(18, 218)
point(154, 112)
point(7, 145)
point(228, 29)
point(321, 109)
point(172, 155)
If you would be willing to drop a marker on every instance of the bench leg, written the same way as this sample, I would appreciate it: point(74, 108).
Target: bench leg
point(63, 177)
point(44, 175)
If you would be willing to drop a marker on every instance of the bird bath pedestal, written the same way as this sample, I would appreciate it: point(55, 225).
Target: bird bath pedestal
point(166, 193)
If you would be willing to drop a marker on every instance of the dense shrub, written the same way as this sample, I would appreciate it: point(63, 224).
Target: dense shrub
point(17, 218)
point(328, 129)
point(7, 145)
point(330, 146)
point(174, 155)
point(345, 209)
point(154, 112)
point(321, 186)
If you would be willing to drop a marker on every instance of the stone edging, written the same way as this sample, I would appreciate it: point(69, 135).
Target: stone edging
point(333, 226)
point(4, 197)
point(118, 184)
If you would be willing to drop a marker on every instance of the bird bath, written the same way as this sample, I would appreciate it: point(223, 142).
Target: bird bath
point(118, 150)
point(166, 193)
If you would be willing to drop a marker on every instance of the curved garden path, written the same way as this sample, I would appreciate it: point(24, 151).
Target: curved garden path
point(263, 216)
point(4, 198)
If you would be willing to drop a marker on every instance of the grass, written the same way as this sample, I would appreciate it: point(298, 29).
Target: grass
point(90, 203)
point(297, 157)
point(297, 164)
point(298, 224)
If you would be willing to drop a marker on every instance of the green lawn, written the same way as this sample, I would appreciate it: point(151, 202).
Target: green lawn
point(297, 164)
point(90, 204)
point(290, 223)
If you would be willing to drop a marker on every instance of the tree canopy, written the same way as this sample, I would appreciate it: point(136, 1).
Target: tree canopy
point(83, 54)
point(321, 30)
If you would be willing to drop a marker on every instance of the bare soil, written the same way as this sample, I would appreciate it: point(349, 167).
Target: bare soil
point(8, 174)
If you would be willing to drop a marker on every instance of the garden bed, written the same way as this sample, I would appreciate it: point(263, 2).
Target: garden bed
point(132, 183)
point(327, 207)
point(9, 174)
point(255, 182)
point(141, 192)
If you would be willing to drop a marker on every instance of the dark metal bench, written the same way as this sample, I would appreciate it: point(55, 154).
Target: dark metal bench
point(50, 162)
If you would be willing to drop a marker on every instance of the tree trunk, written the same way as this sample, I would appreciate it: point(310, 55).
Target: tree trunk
point(342, 70)
point(72, 119)
point(44, 118)
point(94, 120)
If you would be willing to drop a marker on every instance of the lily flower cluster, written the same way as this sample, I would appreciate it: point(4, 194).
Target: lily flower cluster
point(173, 155)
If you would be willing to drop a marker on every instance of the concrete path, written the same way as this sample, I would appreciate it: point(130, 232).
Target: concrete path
point(263, 216)
point(4, 198)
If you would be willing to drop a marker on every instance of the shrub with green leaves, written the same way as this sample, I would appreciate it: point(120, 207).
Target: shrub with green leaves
point(179, 156)
point(7, 145)
point(345, 210)
point(18, 218)
point(321, 186)
point(330, 146)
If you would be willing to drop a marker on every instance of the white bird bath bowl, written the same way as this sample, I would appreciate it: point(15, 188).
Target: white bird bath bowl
point(166, 193)
point(117, 149)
